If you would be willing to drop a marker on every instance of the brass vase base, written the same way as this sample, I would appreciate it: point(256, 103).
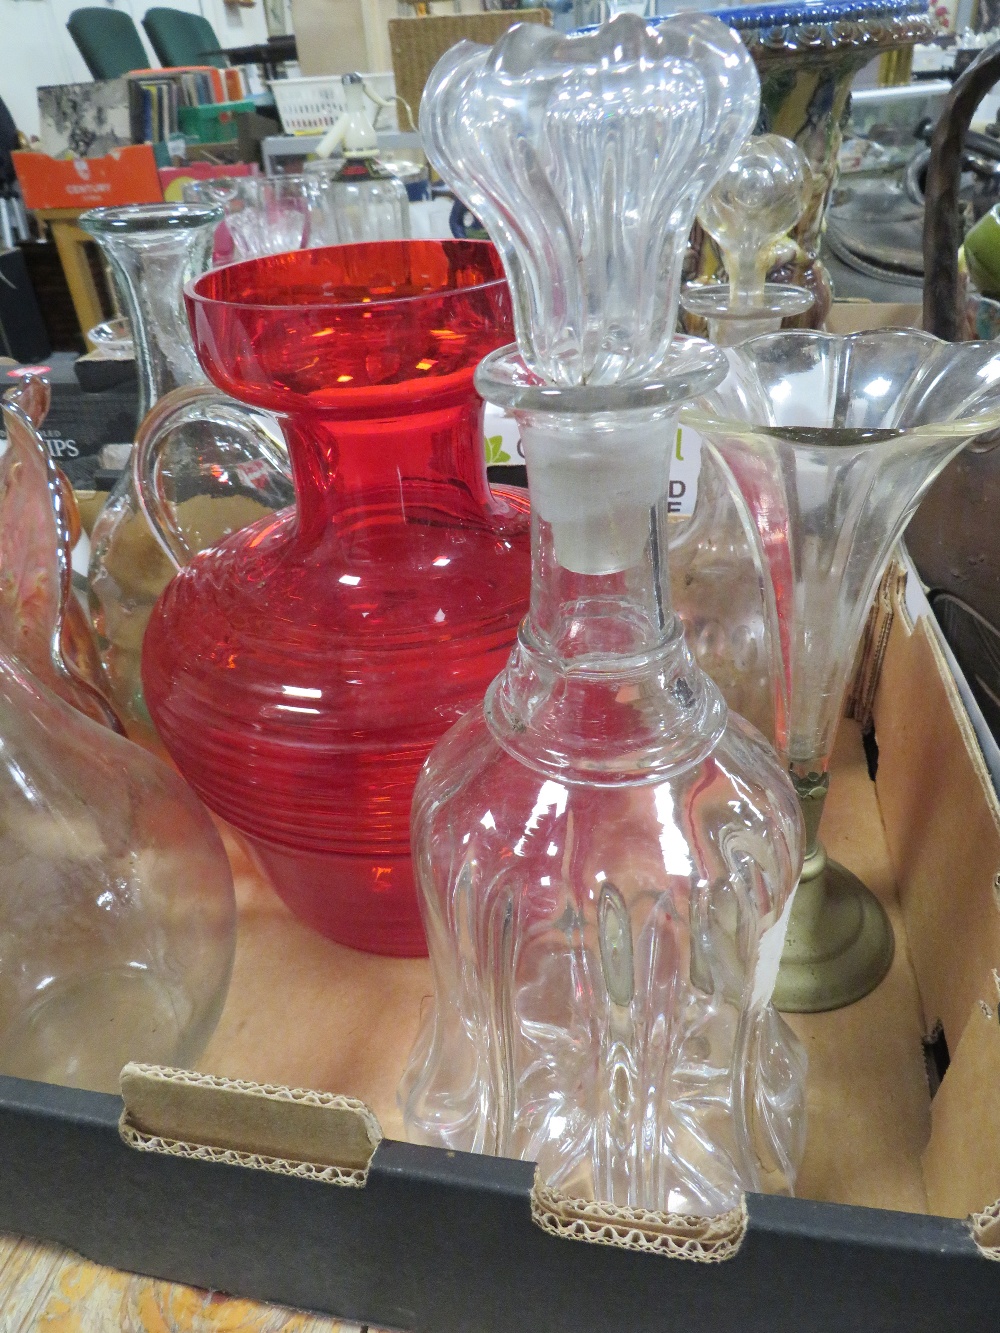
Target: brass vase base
point(839, 944)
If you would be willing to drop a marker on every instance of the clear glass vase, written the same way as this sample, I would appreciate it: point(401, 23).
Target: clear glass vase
point(42, 624)
point(264, 215)
point(300, 671)
point(117, 913)
point(220, 471)
point(831, 441)
point(604, 853)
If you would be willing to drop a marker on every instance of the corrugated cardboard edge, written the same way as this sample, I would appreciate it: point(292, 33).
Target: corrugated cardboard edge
point(700, 1240)
point(942, 823)
point(961, 1160)
point(985, 1227)
point(874, 642)
point(318, 1136)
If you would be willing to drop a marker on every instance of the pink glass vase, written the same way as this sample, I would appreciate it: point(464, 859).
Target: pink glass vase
point(42, 625)
point(300, 671)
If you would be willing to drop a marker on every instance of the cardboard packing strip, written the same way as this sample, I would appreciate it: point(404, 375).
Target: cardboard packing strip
point(246, 1184)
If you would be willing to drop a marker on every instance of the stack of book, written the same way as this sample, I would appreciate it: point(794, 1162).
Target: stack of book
point(153, 101)
point(156, 96)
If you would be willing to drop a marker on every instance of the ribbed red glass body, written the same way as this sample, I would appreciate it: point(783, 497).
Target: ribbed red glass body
point(300, 671)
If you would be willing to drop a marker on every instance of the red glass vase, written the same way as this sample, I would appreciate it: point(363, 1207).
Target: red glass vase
point(300, 671)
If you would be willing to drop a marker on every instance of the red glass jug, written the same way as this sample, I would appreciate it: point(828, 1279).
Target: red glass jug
point(300, 671)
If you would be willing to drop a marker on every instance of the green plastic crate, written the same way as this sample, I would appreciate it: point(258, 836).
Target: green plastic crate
point(214, 122)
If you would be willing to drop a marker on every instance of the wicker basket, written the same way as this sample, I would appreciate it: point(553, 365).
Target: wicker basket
point(417, 44)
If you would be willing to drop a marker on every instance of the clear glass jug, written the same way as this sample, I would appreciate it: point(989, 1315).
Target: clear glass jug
point(221, 467)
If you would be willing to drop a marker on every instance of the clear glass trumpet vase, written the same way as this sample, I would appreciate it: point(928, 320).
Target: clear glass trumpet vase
point(604, 854)
point(831, 442)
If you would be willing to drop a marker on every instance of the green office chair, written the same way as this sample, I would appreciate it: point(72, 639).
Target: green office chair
point(109, 42)
point(179, 38)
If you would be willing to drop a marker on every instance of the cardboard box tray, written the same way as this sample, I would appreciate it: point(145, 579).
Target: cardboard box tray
point(421, 1239)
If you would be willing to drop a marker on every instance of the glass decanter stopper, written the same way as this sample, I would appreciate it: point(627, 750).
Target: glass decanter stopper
point(300, 671)
point(117, 913)
point(831, 442)
point(754, 204)
point(42, 624)
point(604, 854)
point(218, 471)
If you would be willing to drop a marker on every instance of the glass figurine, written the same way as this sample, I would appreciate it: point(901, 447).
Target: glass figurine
point(831, 442)
point(605, 854)
point(117, 913)
point(42, 624)
point(299, 672)
point(217, 471)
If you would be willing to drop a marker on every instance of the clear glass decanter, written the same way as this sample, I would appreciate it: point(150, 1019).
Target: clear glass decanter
point(720, 591)
point(831, 442)
point(152, 251)
point(117, 913)
point(604, 853)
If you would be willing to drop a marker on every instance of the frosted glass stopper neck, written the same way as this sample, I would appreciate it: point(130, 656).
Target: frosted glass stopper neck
point(755, 202)
point(586, 157)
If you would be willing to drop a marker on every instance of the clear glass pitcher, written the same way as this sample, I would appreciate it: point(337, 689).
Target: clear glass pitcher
point(219, 467)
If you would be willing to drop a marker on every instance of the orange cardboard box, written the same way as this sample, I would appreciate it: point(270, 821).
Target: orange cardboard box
point(123, 176)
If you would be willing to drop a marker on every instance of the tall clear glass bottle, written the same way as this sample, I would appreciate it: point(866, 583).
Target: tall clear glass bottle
point(720, 590)
point(153, 250)
point(605, 854)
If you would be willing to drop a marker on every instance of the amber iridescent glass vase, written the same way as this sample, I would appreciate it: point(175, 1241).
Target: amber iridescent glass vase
point(300, 671)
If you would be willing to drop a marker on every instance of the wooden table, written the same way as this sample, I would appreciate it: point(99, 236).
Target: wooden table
point(70, 240)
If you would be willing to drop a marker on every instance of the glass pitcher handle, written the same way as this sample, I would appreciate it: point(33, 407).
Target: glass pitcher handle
point(256, 435)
